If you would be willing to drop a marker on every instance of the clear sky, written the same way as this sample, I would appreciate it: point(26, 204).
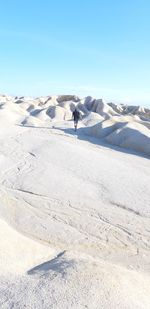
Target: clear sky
point(84, 47)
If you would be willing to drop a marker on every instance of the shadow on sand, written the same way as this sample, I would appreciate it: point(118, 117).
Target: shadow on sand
point(81, 134)
point(58, 265)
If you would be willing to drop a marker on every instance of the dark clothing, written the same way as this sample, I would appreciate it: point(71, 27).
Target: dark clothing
point(76, 115)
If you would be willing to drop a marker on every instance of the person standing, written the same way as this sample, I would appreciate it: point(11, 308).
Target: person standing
point(76, 117)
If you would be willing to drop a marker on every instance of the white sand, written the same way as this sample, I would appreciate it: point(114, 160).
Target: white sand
point(75, 212)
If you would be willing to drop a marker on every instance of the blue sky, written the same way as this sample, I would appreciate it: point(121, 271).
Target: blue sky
point(98, 48)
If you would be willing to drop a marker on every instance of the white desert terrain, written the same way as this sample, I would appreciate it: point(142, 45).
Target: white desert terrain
point(74, 206)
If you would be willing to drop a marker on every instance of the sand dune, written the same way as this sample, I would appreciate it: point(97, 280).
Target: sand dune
point(120, 125)
point(74, 212)
point(41, 277)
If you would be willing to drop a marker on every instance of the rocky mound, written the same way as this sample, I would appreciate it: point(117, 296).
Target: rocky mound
point(121, 125)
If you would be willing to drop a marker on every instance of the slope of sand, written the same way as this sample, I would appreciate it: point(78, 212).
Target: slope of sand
point(75, 212)
point(34, 276)
point(121, 125)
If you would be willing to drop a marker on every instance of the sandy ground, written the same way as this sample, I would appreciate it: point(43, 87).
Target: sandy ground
point(75, 217)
